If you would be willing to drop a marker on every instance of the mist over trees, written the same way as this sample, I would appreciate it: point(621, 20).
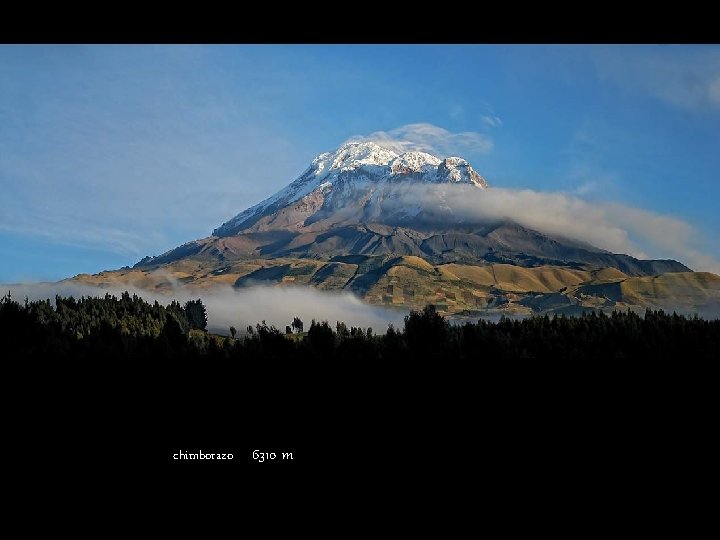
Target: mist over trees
point(130, 327)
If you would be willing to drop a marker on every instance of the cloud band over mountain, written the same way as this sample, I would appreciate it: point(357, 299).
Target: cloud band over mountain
point(612, 226)
point(425, 137)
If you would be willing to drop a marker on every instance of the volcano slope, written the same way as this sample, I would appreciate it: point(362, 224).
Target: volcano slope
point(383, 226)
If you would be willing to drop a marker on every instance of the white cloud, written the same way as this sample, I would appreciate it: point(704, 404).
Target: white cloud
point(430, 138)
point(680, 76)
point(611, 226)
point(492, 121)
point(243, 307)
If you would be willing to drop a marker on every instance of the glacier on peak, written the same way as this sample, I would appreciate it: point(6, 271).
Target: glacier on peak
point(351, 156)
point(413, 162)
point(353, 173)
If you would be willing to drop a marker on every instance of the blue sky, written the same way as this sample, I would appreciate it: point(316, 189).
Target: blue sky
point(111, 153)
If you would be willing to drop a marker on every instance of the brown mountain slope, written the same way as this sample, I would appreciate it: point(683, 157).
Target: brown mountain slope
point(410, 282)
point(502, 242)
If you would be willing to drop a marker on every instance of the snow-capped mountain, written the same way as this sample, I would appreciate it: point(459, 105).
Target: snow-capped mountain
point(392, 229)
point(356, 178)
point(367, 201)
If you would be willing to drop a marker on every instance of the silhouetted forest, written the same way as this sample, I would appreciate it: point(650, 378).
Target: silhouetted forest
point(130, 327)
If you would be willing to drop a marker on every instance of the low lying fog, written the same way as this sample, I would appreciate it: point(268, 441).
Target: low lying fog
point(243, 307)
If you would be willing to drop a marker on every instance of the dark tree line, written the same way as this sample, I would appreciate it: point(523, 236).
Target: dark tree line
point(107, 326)
point(131, 327)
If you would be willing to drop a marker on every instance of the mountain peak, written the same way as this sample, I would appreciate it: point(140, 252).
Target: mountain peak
point(353, 176)
point(414, 162)
point(352, 155)
point(456, 169)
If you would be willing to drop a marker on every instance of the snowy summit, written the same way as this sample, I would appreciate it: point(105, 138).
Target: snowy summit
point(357, 172)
